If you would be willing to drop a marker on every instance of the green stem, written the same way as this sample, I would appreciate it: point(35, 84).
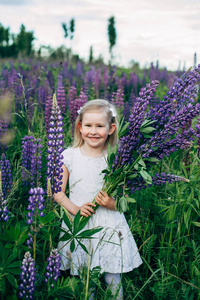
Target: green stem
point(110, 186)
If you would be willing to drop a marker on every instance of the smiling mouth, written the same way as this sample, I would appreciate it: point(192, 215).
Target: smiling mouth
point(93, 138)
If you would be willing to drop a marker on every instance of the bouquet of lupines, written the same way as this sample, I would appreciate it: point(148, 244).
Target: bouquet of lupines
point(152, 132)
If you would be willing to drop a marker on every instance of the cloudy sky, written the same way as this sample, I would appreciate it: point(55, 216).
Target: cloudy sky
point(147, 30)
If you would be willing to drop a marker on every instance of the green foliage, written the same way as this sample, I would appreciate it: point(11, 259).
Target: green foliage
point(9, 268)
point(75, 233)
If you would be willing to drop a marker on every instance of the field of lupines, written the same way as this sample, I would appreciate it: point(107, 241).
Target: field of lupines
point(165, 219)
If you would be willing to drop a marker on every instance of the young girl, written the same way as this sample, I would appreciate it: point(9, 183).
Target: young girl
point(113, 248)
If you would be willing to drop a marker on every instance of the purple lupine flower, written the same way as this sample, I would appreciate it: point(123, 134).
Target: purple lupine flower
point(105, 81)
point(6, 175)
point(3, 127)
point(55, 144)
point(43, 93)
point(129, 142)
point(132, 98)
point(122, 82)
point(126, 112)
point(27, 143)
point(82, 99)
point(3, 207)
point(198, 142)
point(182, 92)
point(27, 277)
point(61, 99)
point(168, 139)
point(134, 81)
point(86, 88)
point(163, 178)
point(36, 204)
point(157, 179)
point(118, 98)
point(79, 69)
point(73, 106)
point(97, 81)
point(53, 266)
point(36, 162)
point(59, 82)
point(48, 108)
point(173, 131)
point(31, 160)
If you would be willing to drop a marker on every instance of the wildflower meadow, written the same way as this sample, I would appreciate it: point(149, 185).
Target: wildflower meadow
point(153, 173)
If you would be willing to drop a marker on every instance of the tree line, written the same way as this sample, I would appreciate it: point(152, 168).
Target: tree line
point(21, 44)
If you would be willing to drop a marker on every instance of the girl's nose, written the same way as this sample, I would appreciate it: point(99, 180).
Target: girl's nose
point(93, 130)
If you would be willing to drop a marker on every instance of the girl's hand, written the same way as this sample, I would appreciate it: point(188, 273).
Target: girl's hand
point(104, 200)
point(86, 209)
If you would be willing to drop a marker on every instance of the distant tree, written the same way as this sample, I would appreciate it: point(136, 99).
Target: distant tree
point(67, 29)
point(24, 41)
point(112, 35)
point(7, 49)
point(64, 26)
point(72, 28)
point(91, 54)
point(4, 35)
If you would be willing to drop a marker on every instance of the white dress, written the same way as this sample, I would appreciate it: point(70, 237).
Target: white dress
point(114, 248)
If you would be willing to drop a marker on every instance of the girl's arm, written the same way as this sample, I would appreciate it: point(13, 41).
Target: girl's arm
point(62, 199)
point(104, 200)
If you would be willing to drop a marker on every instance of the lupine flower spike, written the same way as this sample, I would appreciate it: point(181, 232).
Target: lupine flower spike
point(3, 208)
point(28, 277)
point(55, 144)
point(36, 207)
point(31, 160)
point(6, 175)
point(53, 266)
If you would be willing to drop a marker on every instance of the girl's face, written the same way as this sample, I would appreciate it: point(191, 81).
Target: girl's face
point(95, 129)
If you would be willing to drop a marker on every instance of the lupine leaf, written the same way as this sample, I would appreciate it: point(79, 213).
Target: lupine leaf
point(83, 247)
point(48, 218)
point(132, 176)
point(66, 237)
point(124, 130)
point(16, 271)
point(15, 264)
point(146, 176)
point(89, 232)
point(151, 159)
point(132, 200)
point(147, 129)
point(105, 171)
point(72, 245)
point(142, 163)
point(67, 221)
point(147, 122)
point(12, 280)
point(76, 222)
point(83, 222)
point(7, 258)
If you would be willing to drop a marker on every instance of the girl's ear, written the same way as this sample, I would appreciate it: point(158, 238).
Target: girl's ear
point(112, 128)
point(80, 127)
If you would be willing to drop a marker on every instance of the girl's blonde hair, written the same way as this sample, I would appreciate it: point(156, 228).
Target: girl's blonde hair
point(97, 105)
